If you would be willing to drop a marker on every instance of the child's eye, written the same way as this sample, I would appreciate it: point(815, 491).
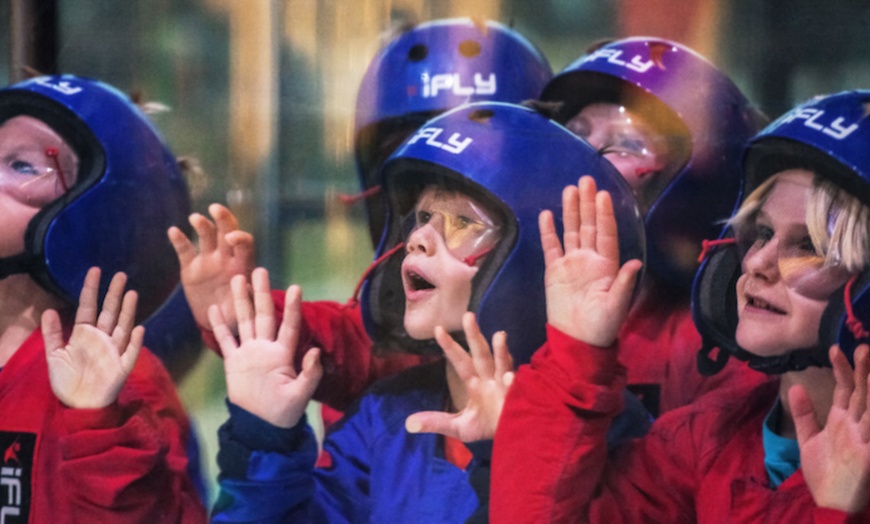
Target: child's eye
point(806, 245)
point(423, 217)
point(624, 147)
point(763, 234)
point(22, 167)
point(463, 222)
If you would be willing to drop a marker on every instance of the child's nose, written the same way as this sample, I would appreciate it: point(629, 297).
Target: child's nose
point(763, 261)
point(423, 239)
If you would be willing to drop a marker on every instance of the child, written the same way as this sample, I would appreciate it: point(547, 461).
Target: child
point(674, 126)
point(91, 428)
point(421, 72)
point(463, 193)
point(793, 450)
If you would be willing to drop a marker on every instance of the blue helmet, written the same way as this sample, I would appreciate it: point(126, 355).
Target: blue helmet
point(128, 192)
point(516, 162)
point(828, 136)
point(428, 69)
point(680, 88)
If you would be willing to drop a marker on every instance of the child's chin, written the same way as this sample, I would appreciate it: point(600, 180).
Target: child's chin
point(418, 332)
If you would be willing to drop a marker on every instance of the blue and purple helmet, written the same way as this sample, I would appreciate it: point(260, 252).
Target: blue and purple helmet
point(688, 96)
point(428, 69)
point(127, 193)
point(828, 136)
point(516, 162)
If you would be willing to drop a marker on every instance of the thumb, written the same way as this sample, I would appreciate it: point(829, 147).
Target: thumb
point(431, 422)
point(131, 353)
point(803, 414)
point(624, 285)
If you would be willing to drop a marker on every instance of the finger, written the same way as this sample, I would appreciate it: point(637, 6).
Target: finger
point(481, 355)
point(587, 212)
point(843, 376)
point(264, 307)
point(242, 244)
point(432, 422)
point(121, 333)
point(571, 217)
point(802, 412)
point(550, 244)
point(184, 248)
point(222, 334)
point(87, 310)
point(205, 232)
point(52, 330)
point(858, 402)
point(504, 362)
point(242, 303)
point(607, 240)
point(622, 289)
point(131, 353)
point(508, 378)
point(455, 353)
point(312, 372)
point(288, 332)
point(225, 222)
point(112, 303)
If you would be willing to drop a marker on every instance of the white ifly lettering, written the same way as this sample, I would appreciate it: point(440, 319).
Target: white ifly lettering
point(10, 478)
point(637, 63)
point(813, 119)
point(452, 82)
point(61, 87)
point(455, 144)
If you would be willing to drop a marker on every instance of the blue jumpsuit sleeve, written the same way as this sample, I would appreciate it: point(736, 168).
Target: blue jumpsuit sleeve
point(267, 473)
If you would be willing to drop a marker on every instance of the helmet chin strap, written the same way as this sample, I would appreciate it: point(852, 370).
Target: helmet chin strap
point(796, 360)
point(16, 264)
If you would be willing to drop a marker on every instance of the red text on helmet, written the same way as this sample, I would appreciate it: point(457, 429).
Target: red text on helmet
point(453, 82)
point(813, 119)
point(455, 144)
point(637, 63)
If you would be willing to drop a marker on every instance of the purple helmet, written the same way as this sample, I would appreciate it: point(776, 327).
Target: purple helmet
point(428, 69)
point(676, 84)
point(516, 162)
point(828, 136)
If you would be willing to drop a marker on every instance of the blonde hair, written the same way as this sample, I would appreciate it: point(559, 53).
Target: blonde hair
point(838, 223)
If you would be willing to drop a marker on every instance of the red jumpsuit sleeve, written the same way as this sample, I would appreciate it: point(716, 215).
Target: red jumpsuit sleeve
point(550, 457)
point(553, 427)
point(127, 462)
point(349, 365)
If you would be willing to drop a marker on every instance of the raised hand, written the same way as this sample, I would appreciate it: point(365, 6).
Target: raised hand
point(485, 376)
point(587, 293)
point(89, 371)
point(224, 252)
point(259, 370)
point(835, 459)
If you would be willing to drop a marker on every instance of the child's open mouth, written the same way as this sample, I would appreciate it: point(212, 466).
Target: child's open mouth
point(417, 282)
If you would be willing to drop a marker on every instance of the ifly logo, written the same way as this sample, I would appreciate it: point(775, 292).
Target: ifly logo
point(62, 87)
point(10, 487)
point(815, 119)
point(613, 56)
point(455, 144)
point(434, 84)
point(16, 475)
